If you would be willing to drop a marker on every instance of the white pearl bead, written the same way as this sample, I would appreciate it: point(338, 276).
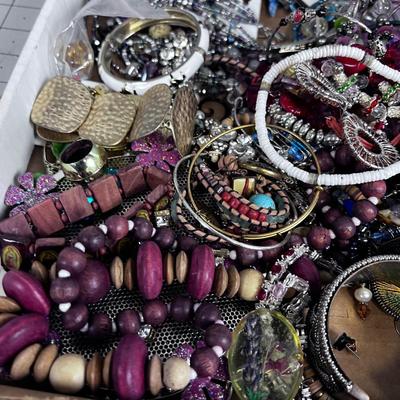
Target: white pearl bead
point(64, 307)
point(80, 246)
point(363, 294)
point(103, 228)
point(63, 273)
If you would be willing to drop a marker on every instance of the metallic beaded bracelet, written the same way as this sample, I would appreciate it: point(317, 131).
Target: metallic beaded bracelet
point(321, 350)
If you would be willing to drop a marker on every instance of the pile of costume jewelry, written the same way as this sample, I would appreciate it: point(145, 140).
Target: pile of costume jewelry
point(202, 192)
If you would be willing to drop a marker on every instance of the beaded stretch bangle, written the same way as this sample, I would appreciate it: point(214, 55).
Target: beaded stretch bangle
point(287, 166)
point(238, 207)
point(79, 202)
point(286, 228)
point(205, 224)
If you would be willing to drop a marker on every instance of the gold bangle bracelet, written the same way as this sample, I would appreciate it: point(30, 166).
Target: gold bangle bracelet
point(259, 236)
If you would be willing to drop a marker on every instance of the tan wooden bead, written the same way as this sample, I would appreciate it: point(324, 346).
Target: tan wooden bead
point(39, 271)
point(8, 305)
point(44, 361)
point(117, 272)
point(106, 368)
point(129, 274)
point(154, 376)
point(251, 281)
point(220, 280)
point(181, 266)
point(233, 281)
point(94, 372)
point(53, 271)
point(169, 268)
point(23, 362)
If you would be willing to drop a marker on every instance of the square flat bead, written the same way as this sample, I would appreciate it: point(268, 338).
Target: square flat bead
point(45, 218)
point(132, 180)
point(76, 204)
point(106, 193)
point(156, 176)
point(16, 225)
point(156, 194)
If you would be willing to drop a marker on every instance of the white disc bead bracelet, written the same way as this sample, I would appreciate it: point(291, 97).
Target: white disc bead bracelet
point(261, 108)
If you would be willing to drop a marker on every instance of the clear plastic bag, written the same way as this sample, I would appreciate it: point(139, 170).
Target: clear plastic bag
point(73, 52)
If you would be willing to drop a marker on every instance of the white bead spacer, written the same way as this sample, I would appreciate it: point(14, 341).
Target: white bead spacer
point(63, 273)
point(174, 245)
point(154, 232)
point(333, 153)
point(196, 306)
point(309, 191)
point(131, 224)
point(356, 221)
point(325, 209)
point(259, 254)
point(169, 307)
point(219, 322)
point(141, 318)
point(193, 374)
point(64, 307)
point(85, 328)
point(103, 228)
point(332, 234)
point(80, 246)
point(113, 326)
point(233, 255)
point(218, 350)
point(374, 200)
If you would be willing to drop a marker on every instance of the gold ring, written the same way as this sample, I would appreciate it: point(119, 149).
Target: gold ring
point(83, 160)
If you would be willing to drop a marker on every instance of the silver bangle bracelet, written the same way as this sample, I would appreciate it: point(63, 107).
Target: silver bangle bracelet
point(321, 349)
point(131, 27)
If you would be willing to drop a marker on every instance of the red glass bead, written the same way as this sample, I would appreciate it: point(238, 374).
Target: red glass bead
point(352, 66)
point(261, 295)
point(253, 214)
point(276, 269)
point(292, 104)
point(243, 209)
point(298, 16)
point(262, 217)
point(226, 196)
point(234, 203)
point(372, 105)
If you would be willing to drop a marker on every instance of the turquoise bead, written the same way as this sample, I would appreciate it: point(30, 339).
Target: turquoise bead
point(263, 200)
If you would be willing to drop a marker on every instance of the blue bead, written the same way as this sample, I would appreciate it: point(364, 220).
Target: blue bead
point(112, 170)
point(90, 199)
point(348, 206)
point(263, 200)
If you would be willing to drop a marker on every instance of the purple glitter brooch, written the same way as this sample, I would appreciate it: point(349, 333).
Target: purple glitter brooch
point(156, 150)
point(203, 388)
point(29, 193)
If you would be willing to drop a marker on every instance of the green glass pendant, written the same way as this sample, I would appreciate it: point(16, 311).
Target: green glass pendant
point(265, 358)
